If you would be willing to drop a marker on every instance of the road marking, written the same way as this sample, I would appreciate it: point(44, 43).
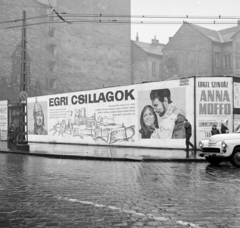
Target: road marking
point(150, 216)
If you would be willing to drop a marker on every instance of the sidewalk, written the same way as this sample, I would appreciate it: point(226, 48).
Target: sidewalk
point(102, 152)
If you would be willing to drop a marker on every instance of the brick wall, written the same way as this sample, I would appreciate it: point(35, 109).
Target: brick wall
point(188, 53)
point(139, 64)
point(142, 65)
point(236, 55)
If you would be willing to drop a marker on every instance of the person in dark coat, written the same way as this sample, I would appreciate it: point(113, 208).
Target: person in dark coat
point(214, 130)
point(11, 133)
point(188, 130)
point(224, 128)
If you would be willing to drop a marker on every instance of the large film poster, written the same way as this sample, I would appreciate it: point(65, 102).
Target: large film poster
point(163, 108)
point(214, 104)
point(145, 115)
point(236, 108)
point(105, 116)
point(236, 94)
point(3, 119)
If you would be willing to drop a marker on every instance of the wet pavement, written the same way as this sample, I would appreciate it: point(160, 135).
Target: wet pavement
point(53, 192)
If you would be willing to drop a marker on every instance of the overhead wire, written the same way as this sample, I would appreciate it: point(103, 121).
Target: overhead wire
point(144, 18)
point(57, 14)
point(23, 5)
point(39, 23)
point(29, 18)
point(107, 19)
point(69, 15)
point(133, 16)
point(126, 22)
point(148, 16)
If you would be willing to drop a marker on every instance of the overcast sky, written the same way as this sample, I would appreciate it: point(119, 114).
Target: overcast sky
point(146, 32)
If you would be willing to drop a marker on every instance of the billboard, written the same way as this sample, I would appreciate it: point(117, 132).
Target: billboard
point(144, 115)
point(172, 102)
point(236, 89)
point(3, 119)
point(213, 104)
point(89, 117)
point(236, 104)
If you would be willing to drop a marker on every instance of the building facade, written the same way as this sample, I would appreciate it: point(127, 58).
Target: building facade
point(65, 52)
point(146, 61)
point(199, 51)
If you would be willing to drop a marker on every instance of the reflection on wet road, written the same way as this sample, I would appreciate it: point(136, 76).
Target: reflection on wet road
point(44, 192)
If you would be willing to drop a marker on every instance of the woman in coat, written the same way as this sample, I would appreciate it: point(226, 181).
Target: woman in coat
point(224, 128)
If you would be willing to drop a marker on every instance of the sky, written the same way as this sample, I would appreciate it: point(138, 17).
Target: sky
point(146, 32)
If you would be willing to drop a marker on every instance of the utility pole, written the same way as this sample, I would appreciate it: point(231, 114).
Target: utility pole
point(23, 126)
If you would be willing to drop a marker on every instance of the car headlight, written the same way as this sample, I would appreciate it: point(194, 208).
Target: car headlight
point(224, 145)
point(200, 144)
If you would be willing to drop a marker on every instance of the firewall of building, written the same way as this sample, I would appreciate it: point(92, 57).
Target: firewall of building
point(61, 56)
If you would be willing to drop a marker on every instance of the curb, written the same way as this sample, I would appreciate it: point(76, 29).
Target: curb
point(128, 158)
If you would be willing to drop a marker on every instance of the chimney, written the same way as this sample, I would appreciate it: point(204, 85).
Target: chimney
point(170, 38)
point(238, 22)
point(137, 38)
point(155, 41)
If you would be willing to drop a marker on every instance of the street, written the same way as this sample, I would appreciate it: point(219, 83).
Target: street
point(50, 192)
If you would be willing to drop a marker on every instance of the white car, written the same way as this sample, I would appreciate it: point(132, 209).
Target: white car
point(222, 147)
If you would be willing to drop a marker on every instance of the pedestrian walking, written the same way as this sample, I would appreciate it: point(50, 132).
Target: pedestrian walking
point(215, 130)
point(16, 134)
point(11, 134)
point(224, 128)
point(188, 131)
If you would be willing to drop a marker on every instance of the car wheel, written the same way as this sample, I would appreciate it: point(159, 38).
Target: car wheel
point(214, 160)
point(235, 158)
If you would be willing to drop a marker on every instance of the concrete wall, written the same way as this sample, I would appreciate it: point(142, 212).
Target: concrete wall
point(77, 56)
point(10, 45)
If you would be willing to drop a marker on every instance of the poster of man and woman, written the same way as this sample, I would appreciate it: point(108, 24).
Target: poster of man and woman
point(162, 113)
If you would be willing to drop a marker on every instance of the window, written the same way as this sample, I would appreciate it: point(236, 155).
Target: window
point(52, 49)
point(160, 70)
point(51, 31)
point(154, 69)
point(227, 61)
point(51, 83)
point(237, 58)
point(217, 59)
point(51, 66)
